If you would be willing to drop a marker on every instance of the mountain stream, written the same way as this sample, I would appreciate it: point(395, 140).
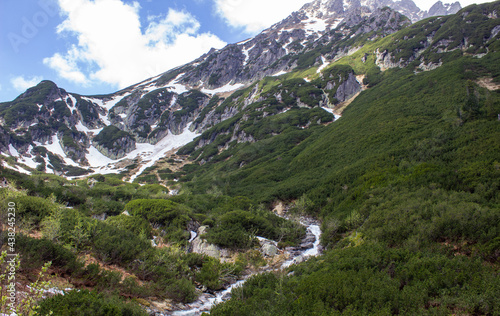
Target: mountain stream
point(310, 246)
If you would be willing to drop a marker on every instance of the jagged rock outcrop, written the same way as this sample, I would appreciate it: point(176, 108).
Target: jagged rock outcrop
point(74, 145)
point(214, 117)
point(272, 51)
point(178, 123)
point(128, 146)
point(144, 114)
point(122, 147)
point(347, 88)
point(385, 60)
point(443, 9)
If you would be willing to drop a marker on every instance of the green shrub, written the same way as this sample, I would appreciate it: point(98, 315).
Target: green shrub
point(35, 252)
point(33, 208)
point(114, 245)
point(83, 302)
point(138, 225)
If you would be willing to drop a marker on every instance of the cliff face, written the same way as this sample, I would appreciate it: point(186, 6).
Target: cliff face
point(348, 88)
point(118, 149)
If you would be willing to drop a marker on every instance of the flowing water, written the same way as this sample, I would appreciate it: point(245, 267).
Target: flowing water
point(206, 301)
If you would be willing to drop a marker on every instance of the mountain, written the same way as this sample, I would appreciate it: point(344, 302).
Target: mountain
point(442, 9)
point(52, 130)
point(381, 134)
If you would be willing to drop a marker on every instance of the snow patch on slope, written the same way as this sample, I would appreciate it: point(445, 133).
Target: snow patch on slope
point(279, 73)
point(323, 66)
point(100, 163)
point(82, 128)
point(329, 110)
point(178, 88)
point(16, 168)
point(159, 150)
point(56, 149)
point(99, 102)
point(73, 100)
point(226, 88)
point(245, 52)
point(13, 151)
point(315, 25)
point(149, 154)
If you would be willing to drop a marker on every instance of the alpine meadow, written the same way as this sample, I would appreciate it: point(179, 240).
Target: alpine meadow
point(344, 161)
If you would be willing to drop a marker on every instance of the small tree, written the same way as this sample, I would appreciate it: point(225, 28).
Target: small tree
point(29, 305)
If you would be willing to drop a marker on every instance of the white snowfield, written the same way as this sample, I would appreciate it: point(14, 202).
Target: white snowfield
point(159, 150)
point(147, 153)
point(227, 88)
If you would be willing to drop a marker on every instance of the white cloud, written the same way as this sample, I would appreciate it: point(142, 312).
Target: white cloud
point(20, 83)
point(66, 66)
point(112, 48)
point(256, 15)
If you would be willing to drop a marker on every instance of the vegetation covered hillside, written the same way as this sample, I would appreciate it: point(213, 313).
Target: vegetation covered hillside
point(97, 233)
point(406, 184)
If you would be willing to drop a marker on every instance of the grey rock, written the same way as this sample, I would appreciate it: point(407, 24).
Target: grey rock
point(306, 245)
point(443, 9)
point(120, 148)
point(201, 246)
point(309, 238)
point(269, 250)
point(348, 88)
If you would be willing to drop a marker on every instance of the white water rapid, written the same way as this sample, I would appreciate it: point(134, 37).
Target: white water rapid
point(193, 236)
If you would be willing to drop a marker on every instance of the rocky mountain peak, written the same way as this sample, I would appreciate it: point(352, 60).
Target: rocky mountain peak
point(329, 10)
point(44, 93)
point(443, 9)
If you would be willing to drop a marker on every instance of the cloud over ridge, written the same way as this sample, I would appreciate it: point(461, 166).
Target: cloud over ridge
point(256, 15)
point(113, 47)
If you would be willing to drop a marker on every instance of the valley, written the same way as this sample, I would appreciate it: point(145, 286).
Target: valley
point(373, 122)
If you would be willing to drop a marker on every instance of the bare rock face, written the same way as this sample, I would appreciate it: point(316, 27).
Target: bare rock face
point(120, 151)
point(273, 50)
point(385, 60)
point(443, 9)
point(348, 88)
point(201, 246)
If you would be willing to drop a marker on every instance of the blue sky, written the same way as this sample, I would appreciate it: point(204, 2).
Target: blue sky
point(100, 46)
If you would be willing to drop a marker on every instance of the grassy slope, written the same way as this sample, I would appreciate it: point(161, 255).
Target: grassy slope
point(406, 117)
point(409, 198)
